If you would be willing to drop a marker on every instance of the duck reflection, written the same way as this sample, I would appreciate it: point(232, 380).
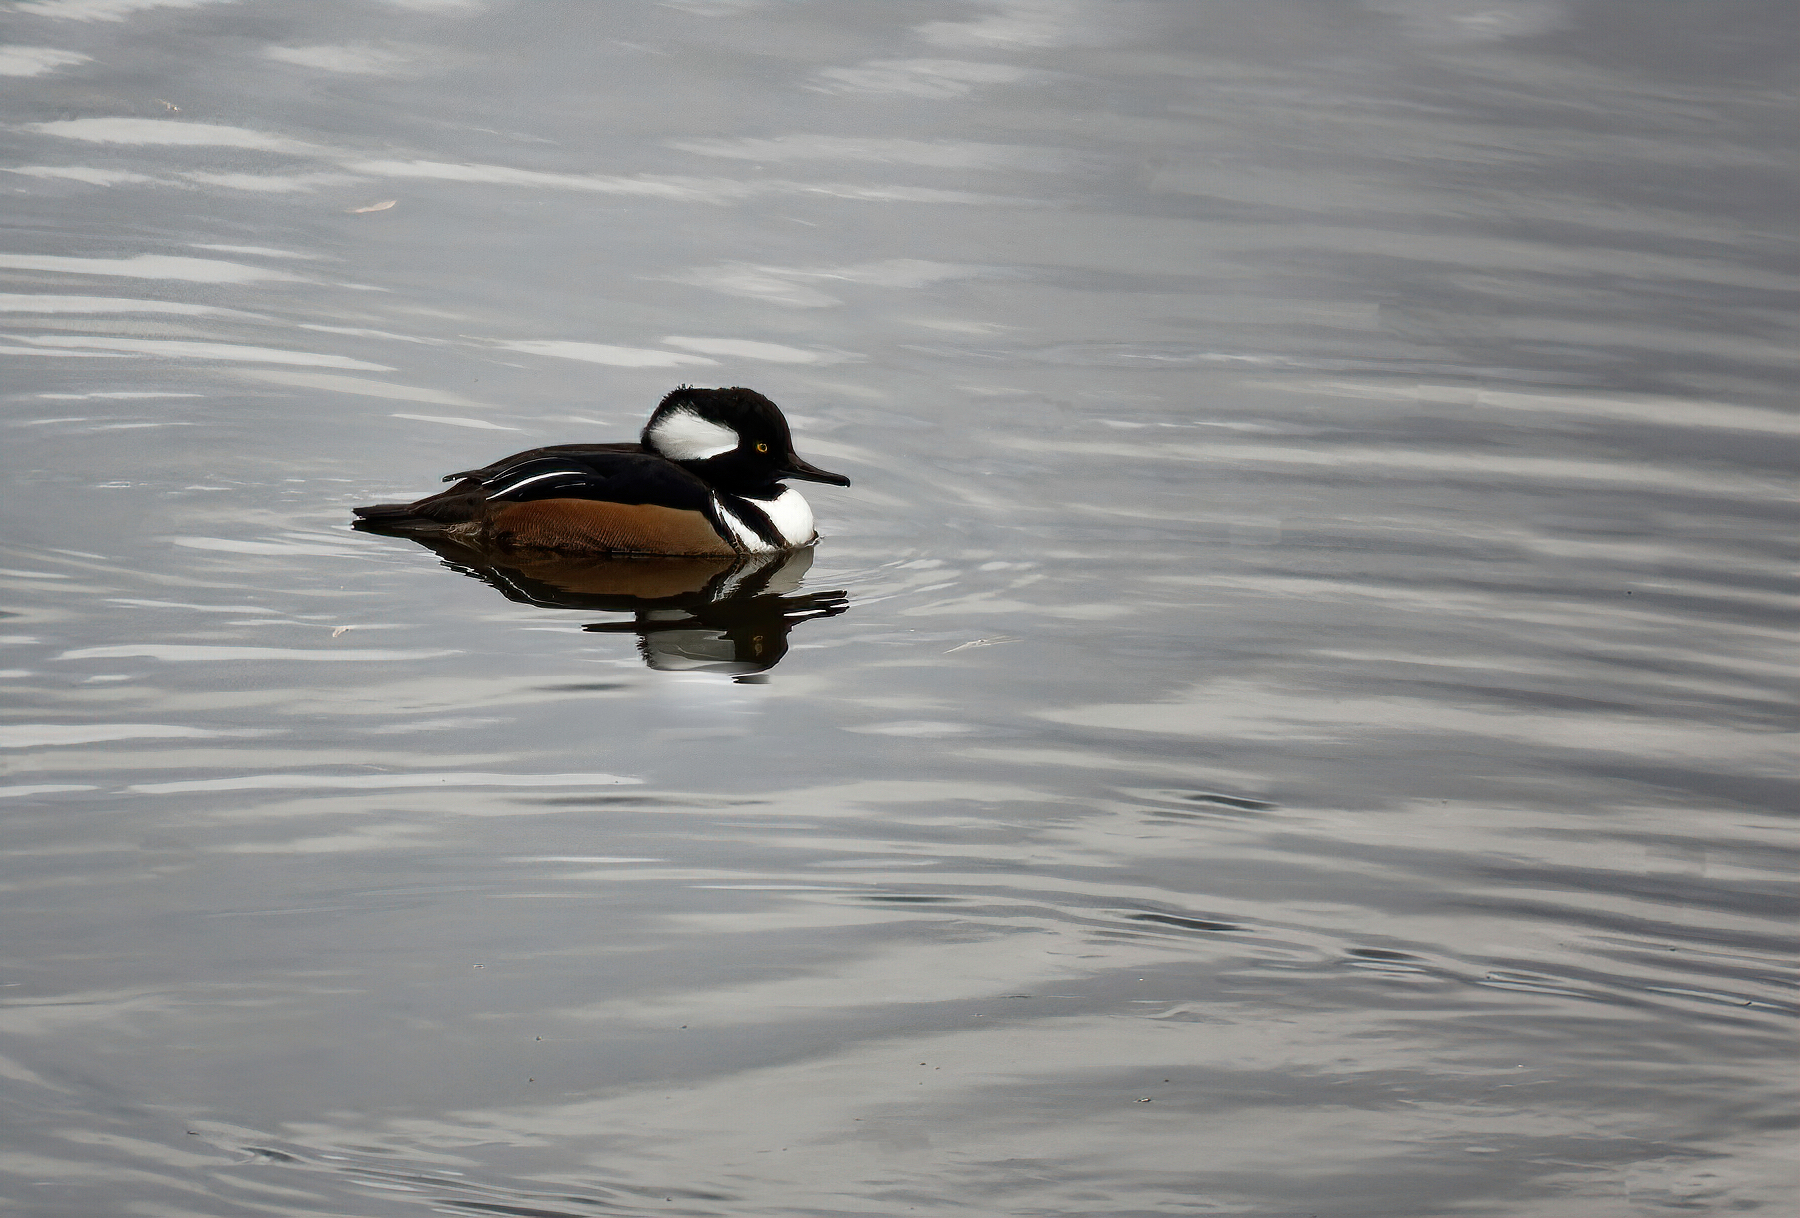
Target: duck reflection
point(718, 615)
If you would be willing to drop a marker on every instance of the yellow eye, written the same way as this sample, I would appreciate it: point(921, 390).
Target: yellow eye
point(762, 448)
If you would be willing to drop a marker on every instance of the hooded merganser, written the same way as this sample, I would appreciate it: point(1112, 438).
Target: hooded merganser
point(705, 480)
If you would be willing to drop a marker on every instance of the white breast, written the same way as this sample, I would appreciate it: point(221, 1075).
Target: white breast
point(792, 517)
point(788, 512)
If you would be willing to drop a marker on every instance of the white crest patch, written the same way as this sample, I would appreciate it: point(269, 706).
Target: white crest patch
point(682, 435)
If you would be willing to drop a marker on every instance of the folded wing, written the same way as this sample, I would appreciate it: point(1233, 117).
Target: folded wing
point(611, 473)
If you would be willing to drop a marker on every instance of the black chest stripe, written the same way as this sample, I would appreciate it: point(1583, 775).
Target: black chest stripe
point(757, 520)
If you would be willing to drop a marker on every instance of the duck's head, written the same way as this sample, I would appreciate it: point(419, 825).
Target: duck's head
point(735, 438)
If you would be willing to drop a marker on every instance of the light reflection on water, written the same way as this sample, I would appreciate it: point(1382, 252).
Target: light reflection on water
point(1293, 715)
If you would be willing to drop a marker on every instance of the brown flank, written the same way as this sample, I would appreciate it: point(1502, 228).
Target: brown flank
point(588, 526)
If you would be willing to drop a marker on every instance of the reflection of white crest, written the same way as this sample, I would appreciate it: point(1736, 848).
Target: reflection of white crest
point(682, 435)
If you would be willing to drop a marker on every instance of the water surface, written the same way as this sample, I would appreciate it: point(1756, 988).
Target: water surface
point(1294, 716)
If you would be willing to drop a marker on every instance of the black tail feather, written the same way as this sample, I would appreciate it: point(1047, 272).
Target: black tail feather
point(394, 518)
point(388, 513)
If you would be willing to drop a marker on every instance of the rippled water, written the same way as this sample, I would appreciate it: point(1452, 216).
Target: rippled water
point(1295, 715)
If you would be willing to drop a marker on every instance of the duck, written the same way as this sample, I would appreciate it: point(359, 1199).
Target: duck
point(705, 479)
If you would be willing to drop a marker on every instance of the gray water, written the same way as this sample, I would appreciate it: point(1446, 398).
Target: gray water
point(1293, 717)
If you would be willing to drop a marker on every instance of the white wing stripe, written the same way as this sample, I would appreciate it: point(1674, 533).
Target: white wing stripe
point(561, 473)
